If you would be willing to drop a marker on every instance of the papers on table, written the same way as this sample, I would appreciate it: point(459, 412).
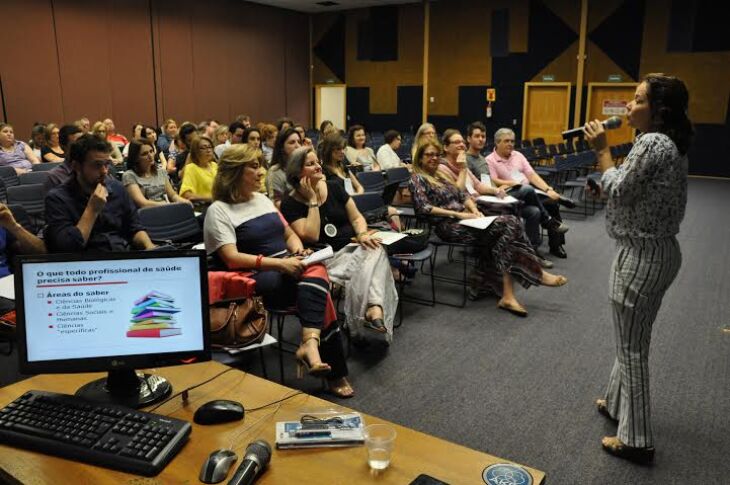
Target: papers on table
point(294, 434)
point(389, 237)
point(496, 200)
point(7, 287)
point(479, 222)
point(318, 256)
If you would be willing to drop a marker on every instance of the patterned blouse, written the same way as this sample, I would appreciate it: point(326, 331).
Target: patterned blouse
point(647, 194)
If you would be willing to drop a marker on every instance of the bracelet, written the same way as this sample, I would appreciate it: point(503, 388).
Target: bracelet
point(259, 259)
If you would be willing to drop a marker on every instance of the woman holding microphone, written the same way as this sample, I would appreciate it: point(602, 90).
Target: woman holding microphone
point(646, 196)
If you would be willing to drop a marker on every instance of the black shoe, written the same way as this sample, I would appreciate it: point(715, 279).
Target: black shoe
point(559, 252)
point(555, 225)
point(567, 202)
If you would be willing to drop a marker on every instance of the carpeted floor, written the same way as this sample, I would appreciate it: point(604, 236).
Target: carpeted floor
point(523, 389)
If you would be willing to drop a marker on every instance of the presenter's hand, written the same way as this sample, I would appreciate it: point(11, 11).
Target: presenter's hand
point(595, 134)
point(292, 266)
point(97, 201)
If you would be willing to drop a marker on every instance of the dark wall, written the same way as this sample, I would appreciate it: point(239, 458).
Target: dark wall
point(148, 60)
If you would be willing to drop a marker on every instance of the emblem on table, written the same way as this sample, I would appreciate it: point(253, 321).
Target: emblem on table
point(506, 474)
point(153, 316)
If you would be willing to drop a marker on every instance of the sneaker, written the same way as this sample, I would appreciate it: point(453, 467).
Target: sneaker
point(555, 225)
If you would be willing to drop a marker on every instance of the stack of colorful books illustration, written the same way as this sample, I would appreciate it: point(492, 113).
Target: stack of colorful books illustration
point(153, 315)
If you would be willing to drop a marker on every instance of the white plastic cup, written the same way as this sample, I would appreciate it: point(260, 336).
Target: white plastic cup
point(379, 440)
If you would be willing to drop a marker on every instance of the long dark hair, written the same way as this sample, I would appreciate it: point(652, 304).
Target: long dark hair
point(668, 100)
point(135, 146)
point(278, 157)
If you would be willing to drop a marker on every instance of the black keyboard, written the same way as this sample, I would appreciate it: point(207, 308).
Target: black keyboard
point(106, 435)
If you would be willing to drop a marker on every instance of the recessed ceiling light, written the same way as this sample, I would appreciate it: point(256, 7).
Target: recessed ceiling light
point(327, 4)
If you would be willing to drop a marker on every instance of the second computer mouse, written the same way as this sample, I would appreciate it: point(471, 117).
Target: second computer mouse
point(219, 411)
point(216, 466)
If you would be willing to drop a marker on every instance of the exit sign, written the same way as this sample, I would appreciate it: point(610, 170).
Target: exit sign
point(548, 78)
point(615, 78)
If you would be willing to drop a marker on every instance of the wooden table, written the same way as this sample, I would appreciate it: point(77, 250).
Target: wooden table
point(414, 452)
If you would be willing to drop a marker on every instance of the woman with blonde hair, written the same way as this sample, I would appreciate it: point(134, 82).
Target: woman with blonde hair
point(425, 132)
point(199, 172)
point(99, 130)
point(244, 231)
point(504, 251)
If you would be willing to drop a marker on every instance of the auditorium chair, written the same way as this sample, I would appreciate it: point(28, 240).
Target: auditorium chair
point(174, 224)
point(33, 178)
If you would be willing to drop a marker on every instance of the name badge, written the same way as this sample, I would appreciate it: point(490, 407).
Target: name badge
point(330, 230)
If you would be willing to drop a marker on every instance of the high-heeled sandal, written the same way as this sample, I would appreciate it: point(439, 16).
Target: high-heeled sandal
point(343, 391)
point(602, 407)
point(317, 369)
point(615, 447)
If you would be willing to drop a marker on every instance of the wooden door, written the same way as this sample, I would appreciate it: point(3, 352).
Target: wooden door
point(610, 99)
point(546, 110)
point(330, 104)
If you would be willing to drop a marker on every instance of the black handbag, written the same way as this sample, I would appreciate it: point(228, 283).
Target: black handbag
point(415, 241)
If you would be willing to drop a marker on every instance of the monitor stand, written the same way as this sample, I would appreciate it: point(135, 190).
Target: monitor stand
point(127, 387)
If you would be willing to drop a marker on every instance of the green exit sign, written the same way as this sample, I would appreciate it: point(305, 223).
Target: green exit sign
point(548, 78)
point(615, 78)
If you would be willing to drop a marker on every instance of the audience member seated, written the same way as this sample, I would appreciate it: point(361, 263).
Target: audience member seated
point(503, 250)
point(476, 137)
point(52, 150)
point(322, 212)
point(510, 170)
point(169, 132)
point(185, 136)
point(13, 153)
point(58, 175)
point(244, 231)
point(37, 139)
point(14, 239)
point(284, 124)
point(137, 133)
point(276, 185)
point(425, 132)
point(112, 136)
point(92, 211)
point(146, 184)
point(357, 154)
point(325, 128)
point(332, 150)
point(199, 173)
point(208, 128)
point(235, 136)
point(387, 156)
point(84, 124)
point(252, 137)
point(455, 169)
point(99, 129)
point(245, 120)
point(306, 142)
point(220, 137)
point(268, 140)
point(149, 134)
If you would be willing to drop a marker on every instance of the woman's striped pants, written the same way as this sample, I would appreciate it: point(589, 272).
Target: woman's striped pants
point(642, 271)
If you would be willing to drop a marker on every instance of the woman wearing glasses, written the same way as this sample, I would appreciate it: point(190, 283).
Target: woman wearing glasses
point(199, 172)
point(504, 252)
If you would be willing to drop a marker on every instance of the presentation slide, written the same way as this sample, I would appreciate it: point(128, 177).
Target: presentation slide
point(83, 309)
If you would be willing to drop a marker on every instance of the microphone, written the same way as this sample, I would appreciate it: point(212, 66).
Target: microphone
point(609, 124)
point(258, 455)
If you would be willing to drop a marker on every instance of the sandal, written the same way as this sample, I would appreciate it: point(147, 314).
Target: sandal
point(343, 391)
point(615, 447)
point(513, 308)
point(559, 280)
point(316, 369)
point(376, 324)
point(602, 407)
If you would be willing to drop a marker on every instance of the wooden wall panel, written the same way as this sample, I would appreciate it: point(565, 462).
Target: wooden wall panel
point(29, 65)
point(298, 99)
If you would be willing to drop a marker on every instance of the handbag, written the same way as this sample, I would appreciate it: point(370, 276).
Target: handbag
point(416, 240)
point(238, 323)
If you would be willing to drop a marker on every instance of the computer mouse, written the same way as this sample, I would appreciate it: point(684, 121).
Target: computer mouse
point(219, 411)
point(216, 466)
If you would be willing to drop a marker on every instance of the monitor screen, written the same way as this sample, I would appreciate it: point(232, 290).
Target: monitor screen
point(99, 312)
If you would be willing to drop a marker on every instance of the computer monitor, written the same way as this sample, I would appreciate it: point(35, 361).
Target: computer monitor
point(113, 312)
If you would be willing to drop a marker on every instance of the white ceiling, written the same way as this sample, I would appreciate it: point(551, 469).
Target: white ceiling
point(311, 6)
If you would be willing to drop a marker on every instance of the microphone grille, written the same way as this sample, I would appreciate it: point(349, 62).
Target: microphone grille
point(262, 449)
point(612, 122)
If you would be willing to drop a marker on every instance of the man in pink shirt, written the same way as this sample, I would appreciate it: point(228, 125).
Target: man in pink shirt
point(510, 170)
